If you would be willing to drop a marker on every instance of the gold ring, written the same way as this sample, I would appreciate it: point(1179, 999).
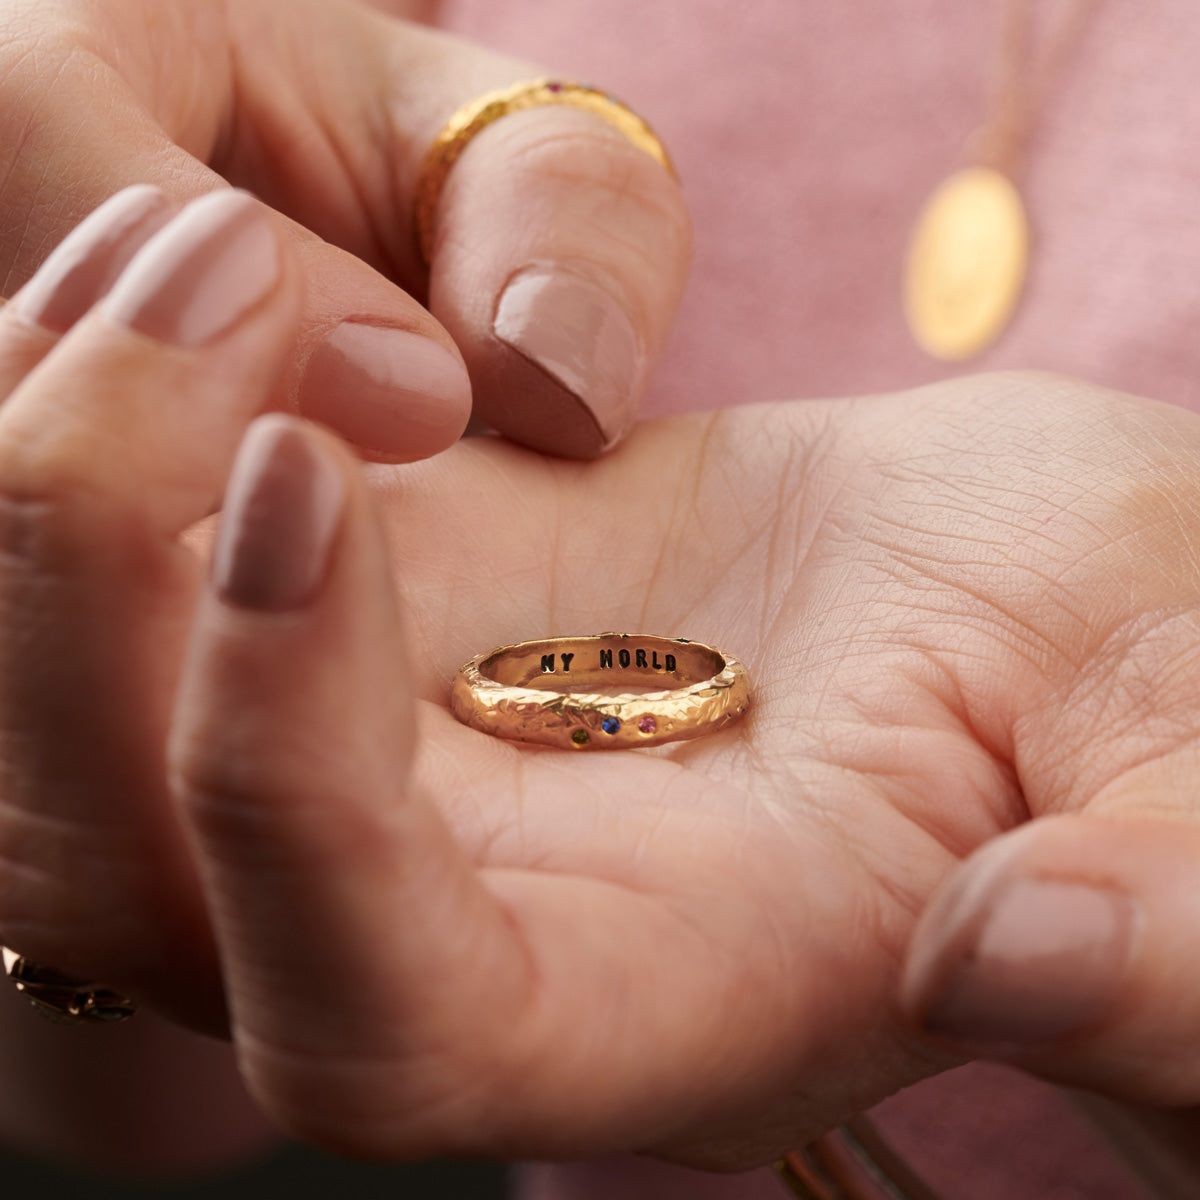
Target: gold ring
point(62, 999)
point(601, 692)
point(476, 116)
point(852, 1162)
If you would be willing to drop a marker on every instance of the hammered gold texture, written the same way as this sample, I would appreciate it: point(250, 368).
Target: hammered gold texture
point(493, 692)
point(476, 116)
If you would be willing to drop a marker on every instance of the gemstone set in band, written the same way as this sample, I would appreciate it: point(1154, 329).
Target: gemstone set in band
point(549, 691)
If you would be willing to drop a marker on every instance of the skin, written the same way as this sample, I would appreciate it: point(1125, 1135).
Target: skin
point(970, 620)
point(324, 109)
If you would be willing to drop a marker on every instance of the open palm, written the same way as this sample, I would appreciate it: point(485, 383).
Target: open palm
point(959, 608)
point(696, 950)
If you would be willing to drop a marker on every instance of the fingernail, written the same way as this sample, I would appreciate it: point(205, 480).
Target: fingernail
point(88, 261)
point(386, 389)
point(580, 339)
point(1041, 960)
point(281, 512)
point(201, 274)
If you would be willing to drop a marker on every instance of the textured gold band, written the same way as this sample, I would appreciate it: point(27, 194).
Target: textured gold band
point(62, 999)
point(469, 120)
point(601, 692)
point(852, 1162)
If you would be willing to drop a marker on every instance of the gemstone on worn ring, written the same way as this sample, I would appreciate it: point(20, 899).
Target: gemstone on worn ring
point(610, 724)
point(580, 737)
point(647, 725)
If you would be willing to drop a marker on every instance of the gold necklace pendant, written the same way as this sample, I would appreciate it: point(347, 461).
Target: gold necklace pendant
point(966, 264)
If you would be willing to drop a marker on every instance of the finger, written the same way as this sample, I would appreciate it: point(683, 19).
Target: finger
point(109, 449)
point(561, 249)
point(357, 941)
point(108, 96)
point(1068, 948)
point(387, 998)
point(78, 272)
point(560, 258)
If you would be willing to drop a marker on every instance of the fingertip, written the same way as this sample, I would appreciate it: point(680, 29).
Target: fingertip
point(286, 649)
point(562, 368)
point(1065, 948)
point(283, 505)
point(396, 394)
point(1035, 961)
point(559, 262)
point(944, 931)
point(88, 261)
point(204, 273)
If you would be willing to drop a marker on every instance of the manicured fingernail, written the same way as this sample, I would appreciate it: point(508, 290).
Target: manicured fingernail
point(583, 343)
point(281, 512)
point(201, 274)
point(386, 389)
point(88, 261)
point(1039, 961)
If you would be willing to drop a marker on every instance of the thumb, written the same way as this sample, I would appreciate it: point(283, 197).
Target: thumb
point(559, 256)
point(560, 249)
point(1067, 948)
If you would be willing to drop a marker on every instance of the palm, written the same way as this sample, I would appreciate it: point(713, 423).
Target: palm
point(955, 606)
point(880, 587)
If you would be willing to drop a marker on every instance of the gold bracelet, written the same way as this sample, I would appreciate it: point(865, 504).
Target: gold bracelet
point(62, 998)
point(545, 691)
point(477, 115)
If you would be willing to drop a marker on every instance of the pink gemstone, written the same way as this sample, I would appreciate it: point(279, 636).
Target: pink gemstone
point(554, 87)
point(647, 725)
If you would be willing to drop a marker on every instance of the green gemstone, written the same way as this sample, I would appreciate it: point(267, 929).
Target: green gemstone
point(581, 737)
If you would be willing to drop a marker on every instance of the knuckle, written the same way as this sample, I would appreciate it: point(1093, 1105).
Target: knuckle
point(69, 891)
point(227, 799)
point(50, 503)
point(253, 795)
point(583, 152)
point(23, 524)
point(586, 173)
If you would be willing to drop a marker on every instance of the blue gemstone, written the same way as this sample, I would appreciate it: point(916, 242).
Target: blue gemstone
point(610, 724)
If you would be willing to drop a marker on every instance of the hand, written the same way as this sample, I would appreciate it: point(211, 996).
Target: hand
point(325, 108)
point(961, 608)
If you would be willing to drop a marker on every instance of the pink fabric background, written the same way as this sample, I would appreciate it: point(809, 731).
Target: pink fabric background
point(808, 134)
